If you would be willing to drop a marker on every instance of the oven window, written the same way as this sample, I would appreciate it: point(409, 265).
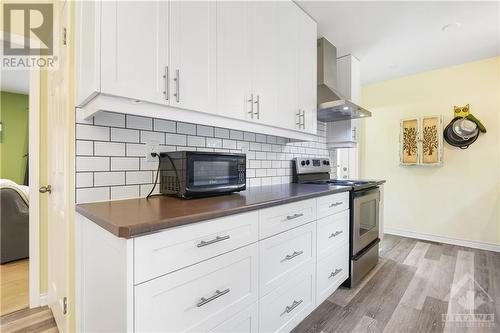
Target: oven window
point(207, 172)
point(368, 211)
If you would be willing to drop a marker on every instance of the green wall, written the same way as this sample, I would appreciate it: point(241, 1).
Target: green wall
point(14, 136)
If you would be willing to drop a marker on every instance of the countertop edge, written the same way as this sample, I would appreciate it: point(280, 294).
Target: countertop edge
point(146, 228)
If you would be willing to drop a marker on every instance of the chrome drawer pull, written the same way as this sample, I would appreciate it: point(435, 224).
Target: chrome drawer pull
point(290, 308)
point(335, 234)
point(337, 271)
point(291, 256)
point(215, 240)
point(335, 204)
point(217, 294)
point(294, 216)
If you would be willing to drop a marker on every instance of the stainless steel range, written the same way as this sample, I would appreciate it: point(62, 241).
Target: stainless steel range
point(364, 213)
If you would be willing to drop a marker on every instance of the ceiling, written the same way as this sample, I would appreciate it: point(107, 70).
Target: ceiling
point(393, 39)
point(15, 81)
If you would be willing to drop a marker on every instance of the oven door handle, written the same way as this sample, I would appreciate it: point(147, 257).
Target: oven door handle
point(366, 249)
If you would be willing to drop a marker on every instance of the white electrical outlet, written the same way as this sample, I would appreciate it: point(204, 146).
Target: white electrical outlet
point(152, 147)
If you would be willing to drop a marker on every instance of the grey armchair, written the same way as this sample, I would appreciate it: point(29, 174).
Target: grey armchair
point(14, 226)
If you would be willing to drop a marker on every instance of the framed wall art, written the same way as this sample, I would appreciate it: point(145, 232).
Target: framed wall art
point(421, 141)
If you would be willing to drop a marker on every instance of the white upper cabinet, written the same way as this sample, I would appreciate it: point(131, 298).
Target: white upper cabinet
point(134, 49)
point(233, 60)
point(193, 55)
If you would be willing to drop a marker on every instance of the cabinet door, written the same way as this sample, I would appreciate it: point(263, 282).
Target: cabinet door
point(287, 66)
point(264, 49)
point(192, 55)
point(233, 60)
point(134, 42)
point(307, 83)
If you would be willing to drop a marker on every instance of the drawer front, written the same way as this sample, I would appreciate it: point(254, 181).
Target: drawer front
point(288, 305)
point(332, 231)
point(333, 270)
point(199, 297)
point(284, 217)
point(164, 252)
point(246, 321)
point(283, 255)
point(332, 204)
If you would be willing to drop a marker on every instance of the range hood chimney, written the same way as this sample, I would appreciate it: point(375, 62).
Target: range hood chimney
point(332, 106)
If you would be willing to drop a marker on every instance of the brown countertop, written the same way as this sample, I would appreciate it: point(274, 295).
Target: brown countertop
point(136, 217)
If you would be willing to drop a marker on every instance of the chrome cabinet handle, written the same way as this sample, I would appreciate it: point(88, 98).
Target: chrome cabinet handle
point(291, 256)
point(337, 271)
point(335, 204)
point(335, 234)
point(250, 100)
point(167, 83)
point(217, 294)
point(177, 79)
point(45, 189)
point(257, 101)
point(354, 133)
point(303, 119)
point(215, 240)
point(298, 122)
point(294, 216)
point(290, 308)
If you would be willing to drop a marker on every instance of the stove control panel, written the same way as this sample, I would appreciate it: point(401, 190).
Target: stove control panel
point(312, 165)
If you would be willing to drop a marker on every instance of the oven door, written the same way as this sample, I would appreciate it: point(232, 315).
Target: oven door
point(365, 218)
point(214, 173)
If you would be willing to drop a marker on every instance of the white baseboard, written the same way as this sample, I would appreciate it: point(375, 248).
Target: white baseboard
point(441, 239)
point(43, 299)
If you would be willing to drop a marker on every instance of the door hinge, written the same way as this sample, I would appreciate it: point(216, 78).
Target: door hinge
point(65, 305)
point(64, 36)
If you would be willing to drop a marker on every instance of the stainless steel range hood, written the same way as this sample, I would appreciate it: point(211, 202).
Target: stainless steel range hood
point(332, 106)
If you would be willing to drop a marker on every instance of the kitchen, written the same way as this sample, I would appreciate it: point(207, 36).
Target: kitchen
point(284, 166)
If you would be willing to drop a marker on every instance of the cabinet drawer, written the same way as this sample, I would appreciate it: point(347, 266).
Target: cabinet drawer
point(163, 252)
point(332, 204)
point(284, 217)
point(283, 255)
point(333, 270)
point(288, 305)
point(246, 321)
point(199, 297)
point(332, 231)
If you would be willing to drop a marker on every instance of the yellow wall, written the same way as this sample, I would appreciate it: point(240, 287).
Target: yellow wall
point(460, 199)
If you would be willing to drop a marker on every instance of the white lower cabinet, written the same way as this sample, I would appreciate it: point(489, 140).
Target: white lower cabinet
point(288, 305)
point(198, 297)
point(259, 271)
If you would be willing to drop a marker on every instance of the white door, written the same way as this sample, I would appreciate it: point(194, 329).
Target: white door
point(233, 60)
point(307, 84)
point(286, 114)
point(193, 55)
point(134, 49)
point(264, 51)
point(59, 173)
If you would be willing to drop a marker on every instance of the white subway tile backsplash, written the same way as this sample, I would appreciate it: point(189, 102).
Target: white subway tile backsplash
point(124, 135)
point(146, 188)
point(111, 161)
point(109, 178)
point(124, 163)
point(90, 132)
point(109, 119)
point(139, 177)
point(91, 163)
point(109, 148)
point(137, 122)
point(124, 192)
point(148, 136)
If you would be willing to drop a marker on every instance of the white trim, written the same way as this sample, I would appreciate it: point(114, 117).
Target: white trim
point(443, 239)
point(35, 299)
point(43, 299)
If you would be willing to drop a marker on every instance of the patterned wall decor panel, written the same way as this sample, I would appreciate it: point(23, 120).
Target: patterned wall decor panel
point(421, 141)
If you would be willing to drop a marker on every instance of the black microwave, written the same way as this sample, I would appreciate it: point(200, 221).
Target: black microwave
point(190, 174)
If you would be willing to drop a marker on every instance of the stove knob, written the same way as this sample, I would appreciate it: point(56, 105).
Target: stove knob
point(303, 163)
point(307, 162)
point(327, 162)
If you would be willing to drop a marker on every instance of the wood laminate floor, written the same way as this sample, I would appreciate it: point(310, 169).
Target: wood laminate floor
point(418, 286)
point(38, 320)
point(14, 286)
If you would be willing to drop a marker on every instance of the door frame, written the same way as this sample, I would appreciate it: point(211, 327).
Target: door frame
point(35, 298)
